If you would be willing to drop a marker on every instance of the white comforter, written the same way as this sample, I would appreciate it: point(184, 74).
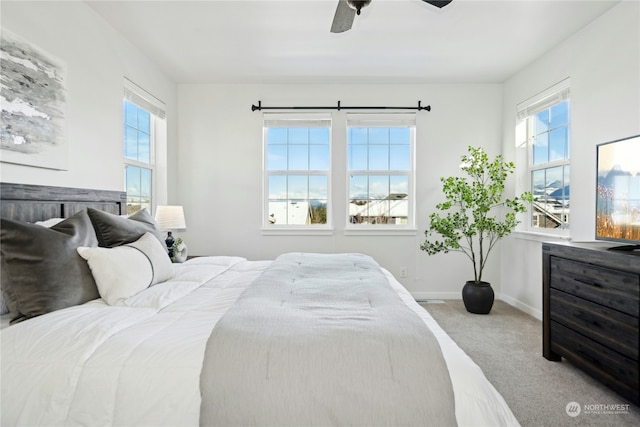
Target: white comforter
point(139, 364)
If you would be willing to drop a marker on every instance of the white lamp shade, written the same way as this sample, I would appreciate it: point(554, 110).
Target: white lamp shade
point(170, 218)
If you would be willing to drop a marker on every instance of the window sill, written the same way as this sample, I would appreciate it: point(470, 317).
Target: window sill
point(371, 231)
point(297, 231)
point(538, 236)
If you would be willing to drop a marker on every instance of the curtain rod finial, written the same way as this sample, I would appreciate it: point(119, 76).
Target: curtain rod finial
point(420, 107)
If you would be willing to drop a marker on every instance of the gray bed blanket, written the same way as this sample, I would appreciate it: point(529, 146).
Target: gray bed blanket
point(322, 340)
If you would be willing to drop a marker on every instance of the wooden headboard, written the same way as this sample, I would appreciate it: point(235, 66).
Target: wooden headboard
point(30, 203)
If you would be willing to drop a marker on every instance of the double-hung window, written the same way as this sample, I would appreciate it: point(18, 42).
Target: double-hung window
point(297, 171)
point(143, 114)
point(380, 168)
point(543, 138)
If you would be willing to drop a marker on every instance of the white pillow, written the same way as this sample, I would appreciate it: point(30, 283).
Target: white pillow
point(125, 270)
point(48, 223)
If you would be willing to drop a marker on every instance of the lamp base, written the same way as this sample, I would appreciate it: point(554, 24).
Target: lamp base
point(169, 242)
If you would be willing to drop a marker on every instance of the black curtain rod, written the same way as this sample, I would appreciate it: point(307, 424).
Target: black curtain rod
point(339, 107)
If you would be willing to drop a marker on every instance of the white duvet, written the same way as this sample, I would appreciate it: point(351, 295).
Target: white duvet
point(139, 363)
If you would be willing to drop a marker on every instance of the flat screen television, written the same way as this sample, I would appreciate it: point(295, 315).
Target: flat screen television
point(618, 192)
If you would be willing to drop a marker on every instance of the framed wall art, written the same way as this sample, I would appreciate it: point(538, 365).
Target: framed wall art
point(33, 98)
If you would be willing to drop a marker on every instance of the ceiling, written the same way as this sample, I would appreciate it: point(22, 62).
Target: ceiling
point(392, 41)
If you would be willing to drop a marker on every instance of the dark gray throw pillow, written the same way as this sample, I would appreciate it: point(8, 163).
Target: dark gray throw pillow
point(8, 300)
point(42, 270)
point(114, 230)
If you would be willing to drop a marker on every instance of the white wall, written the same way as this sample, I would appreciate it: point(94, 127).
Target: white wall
point(220, 164)
point(603, 62)
point(214, 161)
point(97, 59)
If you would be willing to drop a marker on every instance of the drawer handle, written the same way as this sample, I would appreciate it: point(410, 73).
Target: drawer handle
point(596, 285)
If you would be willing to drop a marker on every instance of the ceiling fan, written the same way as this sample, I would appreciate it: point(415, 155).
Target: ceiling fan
point(348, 9)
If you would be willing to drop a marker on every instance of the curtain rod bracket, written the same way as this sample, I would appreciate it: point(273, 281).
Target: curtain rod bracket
point(339, 107)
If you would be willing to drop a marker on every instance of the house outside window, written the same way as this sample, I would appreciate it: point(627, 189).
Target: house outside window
point(380, 158)
point(142, 115)
point(297, 162)
point(543, 136)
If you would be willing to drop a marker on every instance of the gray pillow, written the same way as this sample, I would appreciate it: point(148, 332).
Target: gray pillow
point(42, 270)
point(114, 230)
point(4, 309)
point(5, 300)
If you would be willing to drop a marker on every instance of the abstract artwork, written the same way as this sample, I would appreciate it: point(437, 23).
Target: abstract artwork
point(33, 100)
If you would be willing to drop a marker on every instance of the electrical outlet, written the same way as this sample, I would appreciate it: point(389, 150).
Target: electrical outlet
point(403, 271)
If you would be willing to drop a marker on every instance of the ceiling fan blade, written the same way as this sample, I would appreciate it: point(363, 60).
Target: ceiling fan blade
point(439, 4)
point(343, 19)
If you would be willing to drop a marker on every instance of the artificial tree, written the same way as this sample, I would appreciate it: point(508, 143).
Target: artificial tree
point(475, 216)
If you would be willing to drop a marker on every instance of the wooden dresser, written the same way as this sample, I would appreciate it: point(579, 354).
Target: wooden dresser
point(591, 312)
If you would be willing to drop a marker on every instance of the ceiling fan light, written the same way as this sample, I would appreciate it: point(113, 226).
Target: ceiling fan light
point(357, 5)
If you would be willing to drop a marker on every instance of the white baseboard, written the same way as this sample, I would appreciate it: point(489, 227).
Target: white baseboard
point(524, 307)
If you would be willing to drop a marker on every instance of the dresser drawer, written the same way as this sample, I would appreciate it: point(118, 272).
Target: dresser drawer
point(619, 290)
point(610, 367)
point(609, 327)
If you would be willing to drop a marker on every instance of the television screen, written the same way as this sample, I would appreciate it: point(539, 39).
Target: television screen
point(618, 187)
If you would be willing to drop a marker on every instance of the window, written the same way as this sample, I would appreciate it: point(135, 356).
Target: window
point(137, 154)
point(142, 117)
point(297, 165)
point(380, 166)
point(543, 136)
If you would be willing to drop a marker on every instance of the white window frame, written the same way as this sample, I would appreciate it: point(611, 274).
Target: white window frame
point(383, 120)
point(524, 134)
point(295, 120)
point(157, 129)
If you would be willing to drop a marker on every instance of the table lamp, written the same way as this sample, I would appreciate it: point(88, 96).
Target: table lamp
point(171, 218)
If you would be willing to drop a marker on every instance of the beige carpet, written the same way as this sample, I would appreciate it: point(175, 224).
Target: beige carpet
point(507, 345)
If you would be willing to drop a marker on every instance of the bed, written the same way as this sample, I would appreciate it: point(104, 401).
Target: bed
point(205, 342)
